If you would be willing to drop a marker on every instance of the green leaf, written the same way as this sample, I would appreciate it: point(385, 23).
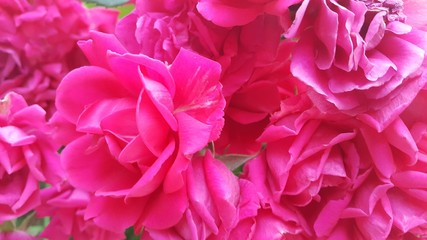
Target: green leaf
point(130, 234)
point(125, 9)
point(7, 226)
point(108, 3)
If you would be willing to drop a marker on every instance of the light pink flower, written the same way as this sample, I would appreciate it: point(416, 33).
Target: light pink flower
point(66, 209)
point(229, 13)
point(161, 29)
point(28, 156)
point(213, 192)
point(38, 44)
point(354, 55)
point(140, 121)
point(415, 11)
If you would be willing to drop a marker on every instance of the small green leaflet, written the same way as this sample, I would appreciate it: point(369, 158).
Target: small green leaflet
point(107, 3)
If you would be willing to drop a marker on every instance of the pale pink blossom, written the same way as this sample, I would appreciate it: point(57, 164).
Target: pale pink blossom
point(213, 193)
point(38, 44)
point(28, 156)
point(415, 11)
point(140, 123)
point(355, 57)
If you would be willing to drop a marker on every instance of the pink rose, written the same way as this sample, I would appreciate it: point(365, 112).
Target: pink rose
point(38, 44)
point(161, 29)
point(141, 121)
point(229, 13)
point(66, 209)
point(258, 217)
point(28, 156)
point(250, 107)
point(415, 11)
point(354, 55)
point(213, 193)
point(346, 179)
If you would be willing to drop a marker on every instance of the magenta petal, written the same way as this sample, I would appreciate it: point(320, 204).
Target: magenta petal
point(199, 194)
point(136, 152)
point(121, 124)
point(90, 119)
point(193, 134)
point(91, 167)
point(15, 136)
point(153, 177)
point(174, 179)
point(198, 92)
point(410, 179)
point(224, 189)
point(379, 223)
point(330, 215)
point(153, 128)
point(164, 209)
point(113, 213)
point(85, 86)
point(227, 16)
point(380, 151)
point(415, 11)
point(96, 48)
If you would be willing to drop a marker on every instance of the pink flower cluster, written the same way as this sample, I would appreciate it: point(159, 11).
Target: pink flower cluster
point(38, 44)
point(216, 119)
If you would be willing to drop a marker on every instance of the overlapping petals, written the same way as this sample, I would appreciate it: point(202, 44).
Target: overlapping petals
point(140, 123)
point(66, 209)
point(343, 177)
point(355, 57)
point(33, 61)
point(160, 30)
point(28, 156)
point(212, 212)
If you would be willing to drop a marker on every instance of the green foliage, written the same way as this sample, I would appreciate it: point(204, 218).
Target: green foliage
point(130, 234)
point(108, 3)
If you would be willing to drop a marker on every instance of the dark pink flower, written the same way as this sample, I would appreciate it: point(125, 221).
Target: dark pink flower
point(259, 217)
point(250, 107)
point(354, 55)
point(66, 209)
point(28, 156)
point(345, 179)
point(161, 29)
point(38, 44)
point(140, 123)
point(213, 193)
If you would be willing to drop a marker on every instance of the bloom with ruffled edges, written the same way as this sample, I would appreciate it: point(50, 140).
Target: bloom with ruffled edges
point(355, 56)
point(66, 208)
point(38, 44)
point(214, 194)
point(140, 121)
point(347, 180)
point(28, 156)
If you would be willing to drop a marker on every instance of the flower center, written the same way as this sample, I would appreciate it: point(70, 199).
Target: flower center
point(394, 8)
